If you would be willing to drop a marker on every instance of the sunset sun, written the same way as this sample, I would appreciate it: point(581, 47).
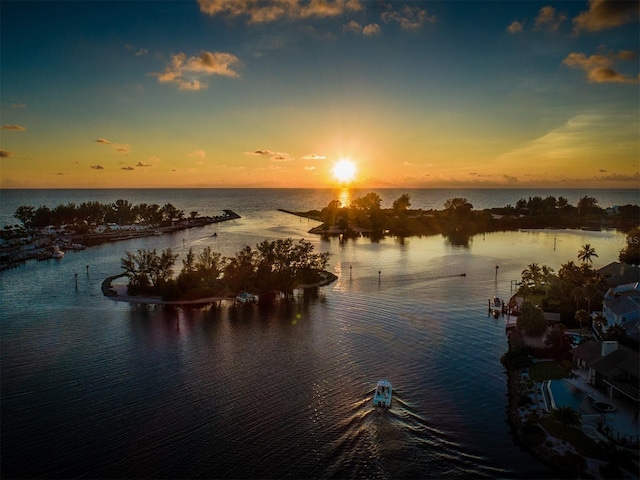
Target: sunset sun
point(344, 171)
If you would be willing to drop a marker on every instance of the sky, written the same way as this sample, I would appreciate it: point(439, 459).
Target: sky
point(218, 93)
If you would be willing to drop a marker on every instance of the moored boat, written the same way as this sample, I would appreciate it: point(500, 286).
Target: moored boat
point(57, 253)
point(383, 393)
point(246, 297)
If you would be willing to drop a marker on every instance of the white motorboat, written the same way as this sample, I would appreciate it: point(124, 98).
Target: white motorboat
point(57, 253)
point(382, 395)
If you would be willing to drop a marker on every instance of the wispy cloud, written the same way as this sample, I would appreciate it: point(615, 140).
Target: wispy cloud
point(515, 27)
point(281, 157)
point(117, 147)
point(128, 168)
point(139, 52)
point(140, 164)
point(599, 67)
point(549, 20)
point(313, 156)
point(357, 29)
point(198, 154)
point(271, 10)
point(97, 167)
point(5, 153)
point(409, 17)
point(186, 72)
point(603, 14)
point(14, 128)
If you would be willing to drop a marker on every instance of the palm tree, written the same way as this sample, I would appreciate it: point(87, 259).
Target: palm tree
point(582, 316)
point(531, 274)
point(586, 252)
point(547, 274)
point(568, 417)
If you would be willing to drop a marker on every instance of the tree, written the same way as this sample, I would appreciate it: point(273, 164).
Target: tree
point(458, 206)
point(583, 317)
point(547, 275)
point(147, 269)
point(631, 252)
point(532, 275)
point(587, 205)
point(586, 253)
point(531, 320)
point(401, 204)
point(557, 341)
point(568, 417)
point(25, 214)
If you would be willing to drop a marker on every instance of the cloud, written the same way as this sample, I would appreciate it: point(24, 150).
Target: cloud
point(186, 72)
point(139, 53)
point(119, 148)
point(313, 156)
point(515, 27)
point(14, 128)
point(603, 14)
point(281, 157)
point(602, 170)
point(409, 18)
point(5, 153)
point(198, 153)
point(259, 152)
point(371, 29)
point(140, 164)
point(97, 167)
point(61, 173)
point(271, 10)
point(599, 67)
point(355, 28)
point(310, 168)
point(510, 179)
point(128, 168)
point(548, 20)
point(19, 105)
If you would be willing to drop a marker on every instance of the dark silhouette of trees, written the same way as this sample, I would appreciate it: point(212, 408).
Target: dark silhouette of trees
point(568, 417)
point(531, 320)
point(631, 252)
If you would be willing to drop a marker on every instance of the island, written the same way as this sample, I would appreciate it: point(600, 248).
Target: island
point(458, 221)
point(271, 269)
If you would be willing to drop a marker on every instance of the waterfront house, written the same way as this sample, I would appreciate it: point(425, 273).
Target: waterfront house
point(612, 368)
point(617, 273)
point(621, 306)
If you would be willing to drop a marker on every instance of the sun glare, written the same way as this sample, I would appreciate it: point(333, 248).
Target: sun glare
point(344, 171)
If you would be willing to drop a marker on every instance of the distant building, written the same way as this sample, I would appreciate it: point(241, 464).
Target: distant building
point(612, 368)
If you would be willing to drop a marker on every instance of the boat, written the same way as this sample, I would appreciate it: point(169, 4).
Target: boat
point(57, 253)
point(246, 297)
point(382, 395)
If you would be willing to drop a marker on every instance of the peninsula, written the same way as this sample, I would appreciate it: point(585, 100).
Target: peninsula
point(458, 221)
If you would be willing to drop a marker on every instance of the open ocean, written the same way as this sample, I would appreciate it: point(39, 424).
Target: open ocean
point(93, 388)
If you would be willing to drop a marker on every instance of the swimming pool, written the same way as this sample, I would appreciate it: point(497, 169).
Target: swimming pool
point(563, 394)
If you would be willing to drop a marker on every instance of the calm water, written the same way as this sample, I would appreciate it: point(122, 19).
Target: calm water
point(96, 388)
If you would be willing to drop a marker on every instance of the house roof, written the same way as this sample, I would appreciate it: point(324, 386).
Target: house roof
point(630, 274)
point(588, 351)
point(622, 305)
point(623, 360)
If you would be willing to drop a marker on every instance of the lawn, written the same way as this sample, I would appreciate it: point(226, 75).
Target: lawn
point(547, 370)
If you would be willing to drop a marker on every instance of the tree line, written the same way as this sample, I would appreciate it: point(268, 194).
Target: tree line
point(458, 220)
point(120, 212)
point(278, 265)
point(572, 292)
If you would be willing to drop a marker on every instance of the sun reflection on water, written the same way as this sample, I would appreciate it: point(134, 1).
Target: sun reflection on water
point(344, 198)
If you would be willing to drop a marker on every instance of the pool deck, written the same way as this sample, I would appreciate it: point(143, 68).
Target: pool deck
point(622, 419)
